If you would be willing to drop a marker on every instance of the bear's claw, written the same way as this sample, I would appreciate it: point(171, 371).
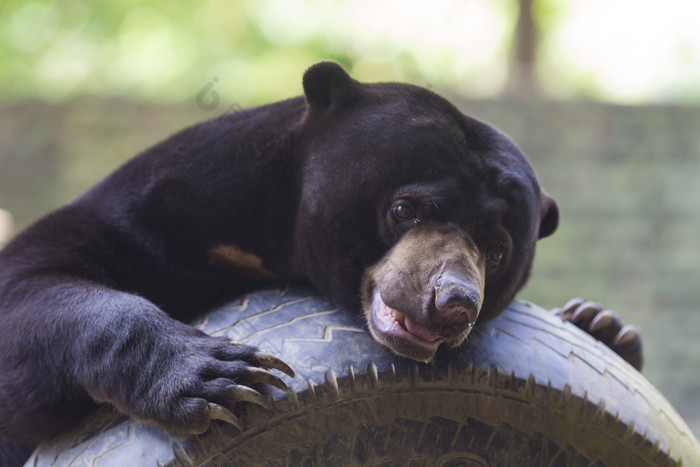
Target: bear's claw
point(628, 344)
point(258, 375)
point(219, 412)
point(605, 326)
point(269, 362)
point(246, 394)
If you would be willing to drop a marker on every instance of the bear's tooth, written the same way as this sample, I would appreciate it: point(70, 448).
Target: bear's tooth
point(399, 317)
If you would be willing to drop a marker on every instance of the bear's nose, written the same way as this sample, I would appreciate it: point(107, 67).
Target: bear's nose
point(457, 301)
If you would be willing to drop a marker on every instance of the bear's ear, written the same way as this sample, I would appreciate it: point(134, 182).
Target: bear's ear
point(549, 215)
point(326, 84)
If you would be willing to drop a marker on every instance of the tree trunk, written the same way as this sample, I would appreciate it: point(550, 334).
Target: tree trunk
point(523, 81)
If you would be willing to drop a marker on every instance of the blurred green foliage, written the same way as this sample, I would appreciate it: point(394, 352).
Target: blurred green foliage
point(624, 51)
point(159, 50)
point(167, 51)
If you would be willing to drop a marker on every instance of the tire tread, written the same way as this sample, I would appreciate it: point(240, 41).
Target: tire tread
point(503, 407)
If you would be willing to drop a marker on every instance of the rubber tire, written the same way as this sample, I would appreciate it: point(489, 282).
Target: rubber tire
point(528, 389)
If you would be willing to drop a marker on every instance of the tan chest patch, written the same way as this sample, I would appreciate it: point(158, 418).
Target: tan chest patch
point(243, 263)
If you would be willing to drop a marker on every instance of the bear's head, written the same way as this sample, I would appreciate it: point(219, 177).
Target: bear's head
point(426, 216)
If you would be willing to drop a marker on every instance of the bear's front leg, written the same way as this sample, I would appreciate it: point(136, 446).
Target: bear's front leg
point(121, 349)
point(605, 326)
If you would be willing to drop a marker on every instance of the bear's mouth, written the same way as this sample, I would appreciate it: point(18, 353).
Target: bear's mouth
point(400, 333)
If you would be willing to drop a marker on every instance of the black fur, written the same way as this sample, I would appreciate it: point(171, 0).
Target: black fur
point(92, 294)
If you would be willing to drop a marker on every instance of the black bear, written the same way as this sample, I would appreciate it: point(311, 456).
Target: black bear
point(383, 196)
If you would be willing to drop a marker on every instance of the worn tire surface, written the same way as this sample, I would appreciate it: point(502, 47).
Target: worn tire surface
point(528, 389)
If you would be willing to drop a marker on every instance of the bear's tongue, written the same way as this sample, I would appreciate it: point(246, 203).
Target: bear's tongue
point(421, 331)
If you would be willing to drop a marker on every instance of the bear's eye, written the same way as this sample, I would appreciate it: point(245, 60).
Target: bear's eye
point(495, 256)
point(403, 211)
